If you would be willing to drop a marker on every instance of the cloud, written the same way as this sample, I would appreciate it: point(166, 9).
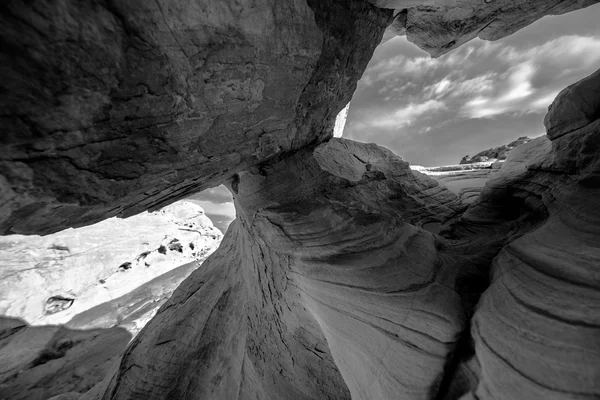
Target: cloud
point(510, 93)
point(406, 100)
point(223, 209)
point(406, 115)
point(217, 204)
point(217, 195)
point(400, 117)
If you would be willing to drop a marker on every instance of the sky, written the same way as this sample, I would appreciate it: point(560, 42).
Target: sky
point(483, 94)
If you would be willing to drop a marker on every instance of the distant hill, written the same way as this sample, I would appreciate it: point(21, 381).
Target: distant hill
point(497, 153)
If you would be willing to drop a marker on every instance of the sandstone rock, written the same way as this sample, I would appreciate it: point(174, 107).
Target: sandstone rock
point(536, 327)
point(496, 153)
point(466, 185)
point(70, 272)
point(299, 303)
point(327, 285)
point(575, 107)
point(39, 362)
point(118, 108)
point(439, 26)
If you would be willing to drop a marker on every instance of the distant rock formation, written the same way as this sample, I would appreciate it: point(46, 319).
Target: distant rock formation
point(496, 153)
point(55, 279)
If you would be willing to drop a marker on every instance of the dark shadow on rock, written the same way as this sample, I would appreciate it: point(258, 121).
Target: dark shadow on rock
point(38, 362)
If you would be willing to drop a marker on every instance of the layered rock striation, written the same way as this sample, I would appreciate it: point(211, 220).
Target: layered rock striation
point(322, 284)
point(328, 284)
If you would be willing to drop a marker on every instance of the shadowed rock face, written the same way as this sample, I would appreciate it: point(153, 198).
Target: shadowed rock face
point(327, 285)
point(117, 107)
point(439, 26)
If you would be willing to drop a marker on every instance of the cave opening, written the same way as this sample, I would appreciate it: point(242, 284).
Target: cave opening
point(331, 268)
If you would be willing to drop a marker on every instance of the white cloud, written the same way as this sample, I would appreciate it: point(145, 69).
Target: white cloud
point(511, 89)
point(225, 209)
point(406, 115)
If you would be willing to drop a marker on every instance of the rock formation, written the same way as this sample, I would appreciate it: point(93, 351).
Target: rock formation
point(496, 153)
point(71, 301)
point(69, 273)
point(466, 183)
point(113, 108)
point(328, 284)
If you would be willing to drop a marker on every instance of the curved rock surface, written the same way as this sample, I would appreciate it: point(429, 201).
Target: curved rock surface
point(300, 304)
point(328, 285)
point(536, 328)
point(439, 26)
point(37, 362)
point(118, 107)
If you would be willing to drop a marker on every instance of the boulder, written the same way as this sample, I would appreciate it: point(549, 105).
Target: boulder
point(575, 107)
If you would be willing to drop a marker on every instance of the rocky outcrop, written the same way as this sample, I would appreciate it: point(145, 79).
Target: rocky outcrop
point(37, 362)
point(298, 303)
point(387, 310)
point(536, 327)
point(328, 284)
point(439, 26)
point(496, 153)
point(71, 302)
point(113, 108)
point(574, 107)
point(64, 278)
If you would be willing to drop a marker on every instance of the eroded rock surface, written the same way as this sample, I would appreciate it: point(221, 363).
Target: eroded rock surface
point(439, 26)
point(536, 328)
point(37, 362)
point(327, 285)
point(54, 279)
point(114, 108)
point(323, 284)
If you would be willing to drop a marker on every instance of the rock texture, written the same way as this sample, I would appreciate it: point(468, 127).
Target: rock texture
point(439, 26)
point(114, 108)
point(300, 304)
point(575, 107)
point(335, 292)
point(536, 328)
point(81, 294)
point(37, 362)
point(117, 107)
point(331, 283)
point(54, 279)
